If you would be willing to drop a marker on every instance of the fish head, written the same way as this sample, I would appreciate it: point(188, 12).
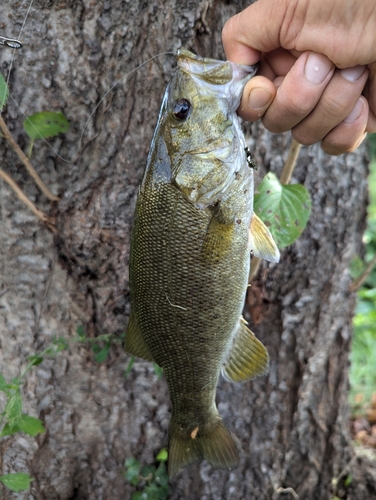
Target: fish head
point(200, 126)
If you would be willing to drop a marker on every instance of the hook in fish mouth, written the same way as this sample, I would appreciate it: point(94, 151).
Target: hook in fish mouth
point(10, 42)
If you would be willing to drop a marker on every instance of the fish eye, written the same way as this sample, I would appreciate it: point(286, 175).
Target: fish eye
point(181, 109)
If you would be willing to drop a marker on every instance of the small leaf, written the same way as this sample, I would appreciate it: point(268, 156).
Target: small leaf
point(348, 480)
point(129, 367)
point(31, 425)
point(16, 482)
point(60, 344)
point(35, 360)
point(103, 353)
point(13, 408)
point(284, 209)
point(9, 429)
point(158, 370)
point(161, 476)
point(3, 383)
point(162, 455)
point(131, 462)
point(133, 471)
point(4, 91)
point(95, 347)
point(80, 331)
point(45, 124)
point(148, 471)
point(139, 495)
point(153, 492)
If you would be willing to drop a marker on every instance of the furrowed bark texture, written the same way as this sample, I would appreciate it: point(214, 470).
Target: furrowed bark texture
point(292, 423)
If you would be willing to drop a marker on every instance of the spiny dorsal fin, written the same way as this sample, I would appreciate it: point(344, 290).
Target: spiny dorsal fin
point(247, 358)
point(134, 341)
point(262, 243)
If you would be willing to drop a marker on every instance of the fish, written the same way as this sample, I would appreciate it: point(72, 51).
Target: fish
point(193, 236)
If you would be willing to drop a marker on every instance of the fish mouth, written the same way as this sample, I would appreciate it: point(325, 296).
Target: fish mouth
point(211, 72)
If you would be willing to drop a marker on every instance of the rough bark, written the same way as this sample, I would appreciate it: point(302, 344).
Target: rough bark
point(292, 423)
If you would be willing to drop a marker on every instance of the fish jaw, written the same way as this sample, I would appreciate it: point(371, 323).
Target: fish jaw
point(225, 78)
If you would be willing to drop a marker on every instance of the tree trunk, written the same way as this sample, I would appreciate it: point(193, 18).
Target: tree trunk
point(293, 423)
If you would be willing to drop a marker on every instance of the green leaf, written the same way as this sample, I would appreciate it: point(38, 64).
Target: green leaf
point(158, 370)
point(16, 482)
point(60, 343)
point(103, 353)
point(161, 476)
point(148, 471)
point(80, 331)
point(31, 425)
point(348, 480)
point(132, 473)
point(162, 455)
point(129, 367)
point(45, 124)
point(284, 209)
point(4, 91)
point(3, 383)
point(153, 492)
point(139, 495)
point(131, 462)
point(13, 408)
point(35, 360)
point(9, 429)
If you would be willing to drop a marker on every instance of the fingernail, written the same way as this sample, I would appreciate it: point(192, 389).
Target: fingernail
point(353, 74)
point(317, 67)
point(356, 112)
point(259, 98)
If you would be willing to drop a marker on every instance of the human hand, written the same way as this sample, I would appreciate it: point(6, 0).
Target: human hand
point(317, 72)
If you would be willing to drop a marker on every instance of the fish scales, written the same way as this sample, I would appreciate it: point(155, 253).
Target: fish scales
point(190, 256)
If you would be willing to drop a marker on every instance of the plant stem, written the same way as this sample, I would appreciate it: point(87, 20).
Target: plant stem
point(30, 148)
point(356, 284)
point(255, 266)
point(21, 195)
point(25, 160)
point(289, 166)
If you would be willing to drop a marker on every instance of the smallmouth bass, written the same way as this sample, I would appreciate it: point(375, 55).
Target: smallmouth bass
point(193, 234)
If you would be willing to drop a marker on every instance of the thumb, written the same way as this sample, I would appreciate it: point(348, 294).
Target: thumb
point(257, 97)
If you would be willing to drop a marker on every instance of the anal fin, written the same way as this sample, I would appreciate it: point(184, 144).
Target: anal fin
point(134, 341)
point(247, 358)
point(262, 243)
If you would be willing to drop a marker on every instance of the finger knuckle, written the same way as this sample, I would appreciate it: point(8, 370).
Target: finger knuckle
point(303, 136)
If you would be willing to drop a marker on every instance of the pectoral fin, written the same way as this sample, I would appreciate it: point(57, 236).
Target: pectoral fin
point(248, 357)
point(218, 240)
point(262, 243)
point(134, 341)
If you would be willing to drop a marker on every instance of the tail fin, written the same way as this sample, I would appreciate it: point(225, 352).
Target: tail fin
point(213, 443)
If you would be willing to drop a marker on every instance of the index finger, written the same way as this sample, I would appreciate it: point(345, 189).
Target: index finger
point(252, 31)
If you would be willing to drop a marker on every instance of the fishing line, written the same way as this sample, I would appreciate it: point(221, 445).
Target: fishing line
point(13, 51)
point(114, 85)
point(92, 113)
